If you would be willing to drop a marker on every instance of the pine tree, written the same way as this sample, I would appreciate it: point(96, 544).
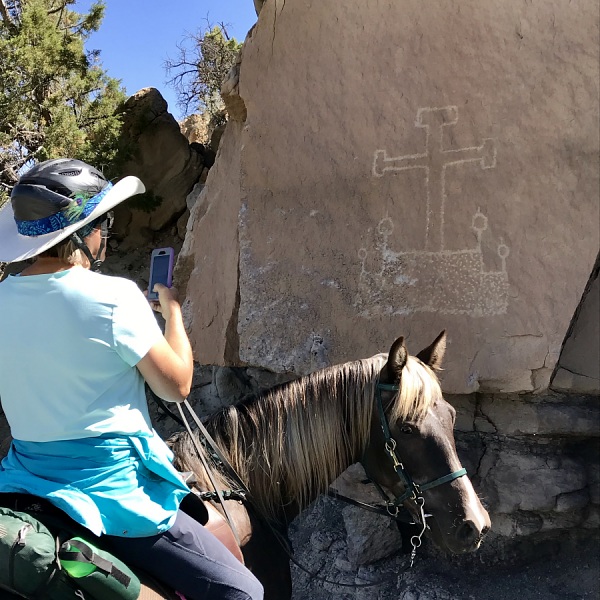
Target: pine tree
point(204, 61)
point(55, 98)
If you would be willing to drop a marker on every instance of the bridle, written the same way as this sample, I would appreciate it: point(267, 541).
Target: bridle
point(413, 491)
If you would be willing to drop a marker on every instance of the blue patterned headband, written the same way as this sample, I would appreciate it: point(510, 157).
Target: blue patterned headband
point(78, 210)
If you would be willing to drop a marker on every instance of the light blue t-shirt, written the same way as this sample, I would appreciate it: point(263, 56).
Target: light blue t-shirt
point(76, 405)
point(90, 328)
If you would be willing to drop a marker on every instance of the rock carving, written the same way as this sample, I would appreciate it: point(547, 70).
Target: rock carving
point(434, 279)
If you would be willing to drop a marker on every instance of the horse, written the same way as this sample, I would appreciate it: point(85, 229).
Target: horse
point(285, 446)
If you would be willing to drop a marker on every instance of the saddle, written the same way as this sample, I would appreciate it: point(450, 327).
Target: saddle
point(206, 514)
point(56, 520)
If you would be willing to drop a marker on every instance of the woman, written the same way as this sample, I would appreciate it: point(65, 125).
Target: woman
point(75, 350)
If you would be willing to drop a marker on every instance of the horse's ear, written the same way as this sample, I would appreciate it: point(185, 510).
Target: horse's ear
point(397, 358)
point(434, 353)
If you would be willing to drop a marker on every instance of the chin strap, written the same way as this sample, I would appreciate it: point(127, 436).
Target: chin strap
point(95, 263)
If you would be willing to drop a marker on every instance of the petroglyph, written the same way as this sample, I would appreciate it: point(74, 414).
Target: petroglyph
point(434, 161)
point(434, 279)
point(446, 282)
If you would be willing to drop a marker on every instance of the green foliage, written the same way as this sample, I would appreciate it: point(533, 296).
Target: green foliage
point(203, 63)
point(55, 98)
point(146, 202)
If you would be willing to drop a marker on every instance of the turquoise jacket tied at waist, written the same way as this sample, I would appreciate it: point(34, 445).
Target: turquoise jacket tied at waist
point(115, 485)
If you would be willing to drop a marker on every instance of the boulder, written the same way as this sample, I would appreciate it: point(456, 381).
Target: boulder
point(195, 127)
point(371, 537)
point(159, 154)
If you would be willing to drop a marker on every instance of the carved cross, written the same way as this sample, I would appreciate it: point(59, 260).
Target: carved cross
point(434, 162)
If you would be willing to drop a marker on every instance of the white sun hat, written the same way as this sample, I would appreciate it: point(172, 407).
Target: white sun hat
point(53, 200)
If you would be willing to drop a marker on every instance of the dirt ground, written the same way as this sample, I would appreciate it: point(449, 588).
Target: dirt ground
point(561, 569)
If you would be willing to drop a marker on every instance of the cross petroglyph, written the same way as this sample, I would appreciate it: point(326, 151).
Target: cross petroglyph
point(435, 279)
point(434, 161)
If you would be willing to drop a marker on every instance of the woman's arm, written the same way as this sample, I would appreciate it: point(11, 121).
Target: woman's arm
point(168, 367)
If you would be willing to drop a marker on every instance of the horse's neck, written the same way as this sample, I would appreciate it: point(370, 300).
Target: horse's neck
point(288, 445)
point(320, 437)
point(208, 482)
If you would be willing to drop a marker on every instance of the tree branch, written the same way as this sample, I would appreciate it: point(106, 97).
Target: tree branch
point(8, 19)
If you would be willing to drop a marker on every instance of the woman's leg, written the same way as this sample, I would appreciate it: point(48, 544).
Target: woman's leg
point(190, 560)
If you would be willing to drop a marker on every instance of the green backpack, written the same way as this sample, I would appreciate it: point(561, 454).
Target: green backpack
point(36, 564)
point(98, 572)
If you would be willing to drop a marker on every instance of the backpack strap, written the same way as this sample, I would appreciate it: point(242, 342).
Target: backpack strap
point(86, 555)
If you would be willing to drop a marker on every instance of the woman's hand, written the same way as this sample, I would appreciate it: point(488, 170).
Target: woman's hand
point(168, 298)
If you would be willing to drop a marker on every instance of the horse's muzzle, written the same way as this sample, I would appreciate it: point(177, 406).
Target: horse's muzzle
point(469, 536)
point(458, 538)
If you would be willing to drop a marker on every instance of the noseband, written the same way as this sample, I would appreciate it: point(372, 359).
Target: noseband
point(414, 491)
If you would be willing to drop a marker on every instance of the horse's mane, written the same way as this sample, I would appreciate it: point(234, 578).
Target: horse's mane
point(289, 443)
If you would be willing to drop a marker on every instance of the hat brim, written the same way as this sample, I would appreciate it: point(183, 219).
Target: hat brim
point(15, 247)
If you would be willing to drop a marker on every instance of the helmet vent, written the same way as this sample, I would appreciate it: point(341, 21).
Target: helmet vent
point(72, 173)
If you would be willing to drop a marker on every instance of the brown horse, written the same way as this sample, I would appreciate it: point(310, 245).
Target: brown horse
point(288, 444)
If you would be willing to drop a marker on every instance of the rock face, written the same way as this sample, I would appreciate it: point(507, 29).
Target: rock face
point(230, 91)
point(579, 365)
point(401, 173)
point(211, 251)
point(162, 158)
point(195, 127)
point(390, 170)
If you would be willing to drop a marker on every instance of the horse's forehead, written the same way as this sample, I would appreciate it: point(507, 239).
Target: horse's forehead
point(441, 410)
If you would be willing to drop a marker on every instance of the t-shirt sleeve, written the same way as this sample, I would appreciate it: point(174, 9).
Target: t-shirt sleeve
point(135, 329)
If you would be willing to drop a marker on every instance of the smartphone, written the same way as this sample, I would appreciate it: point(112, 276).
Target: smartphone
point(161, 269)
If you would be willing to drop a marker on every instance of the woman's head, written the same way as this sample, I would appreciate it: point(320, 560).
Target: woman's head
point(68, 252)
point(60, 200)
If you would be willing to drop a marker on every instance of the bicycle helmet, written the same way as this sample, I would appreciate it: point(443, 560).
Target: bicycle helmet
point(54, 200)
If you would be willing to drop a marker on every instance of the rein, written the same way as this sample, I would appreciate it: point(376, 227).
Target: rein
point(242, 495)
point(378, 509)
point(209, 472)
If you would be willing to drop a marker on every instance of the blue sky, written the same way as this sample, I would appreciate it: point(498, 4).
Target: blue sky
point(137, 36)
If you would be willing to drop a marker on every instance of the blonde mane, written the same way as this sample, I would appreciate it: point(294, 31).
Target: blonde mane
point(419, 389)
point(288, 444)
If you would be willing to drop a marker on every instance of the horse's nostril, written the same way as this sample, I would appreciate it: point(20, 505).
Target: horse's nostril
point(468, 532)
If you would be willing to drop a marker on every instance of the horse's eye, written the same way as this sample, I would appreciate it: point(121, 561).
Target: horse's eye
point(406, 429)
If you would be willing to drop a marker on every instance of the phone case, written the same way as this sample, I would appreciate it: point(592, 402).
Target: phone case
point(161, 269)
